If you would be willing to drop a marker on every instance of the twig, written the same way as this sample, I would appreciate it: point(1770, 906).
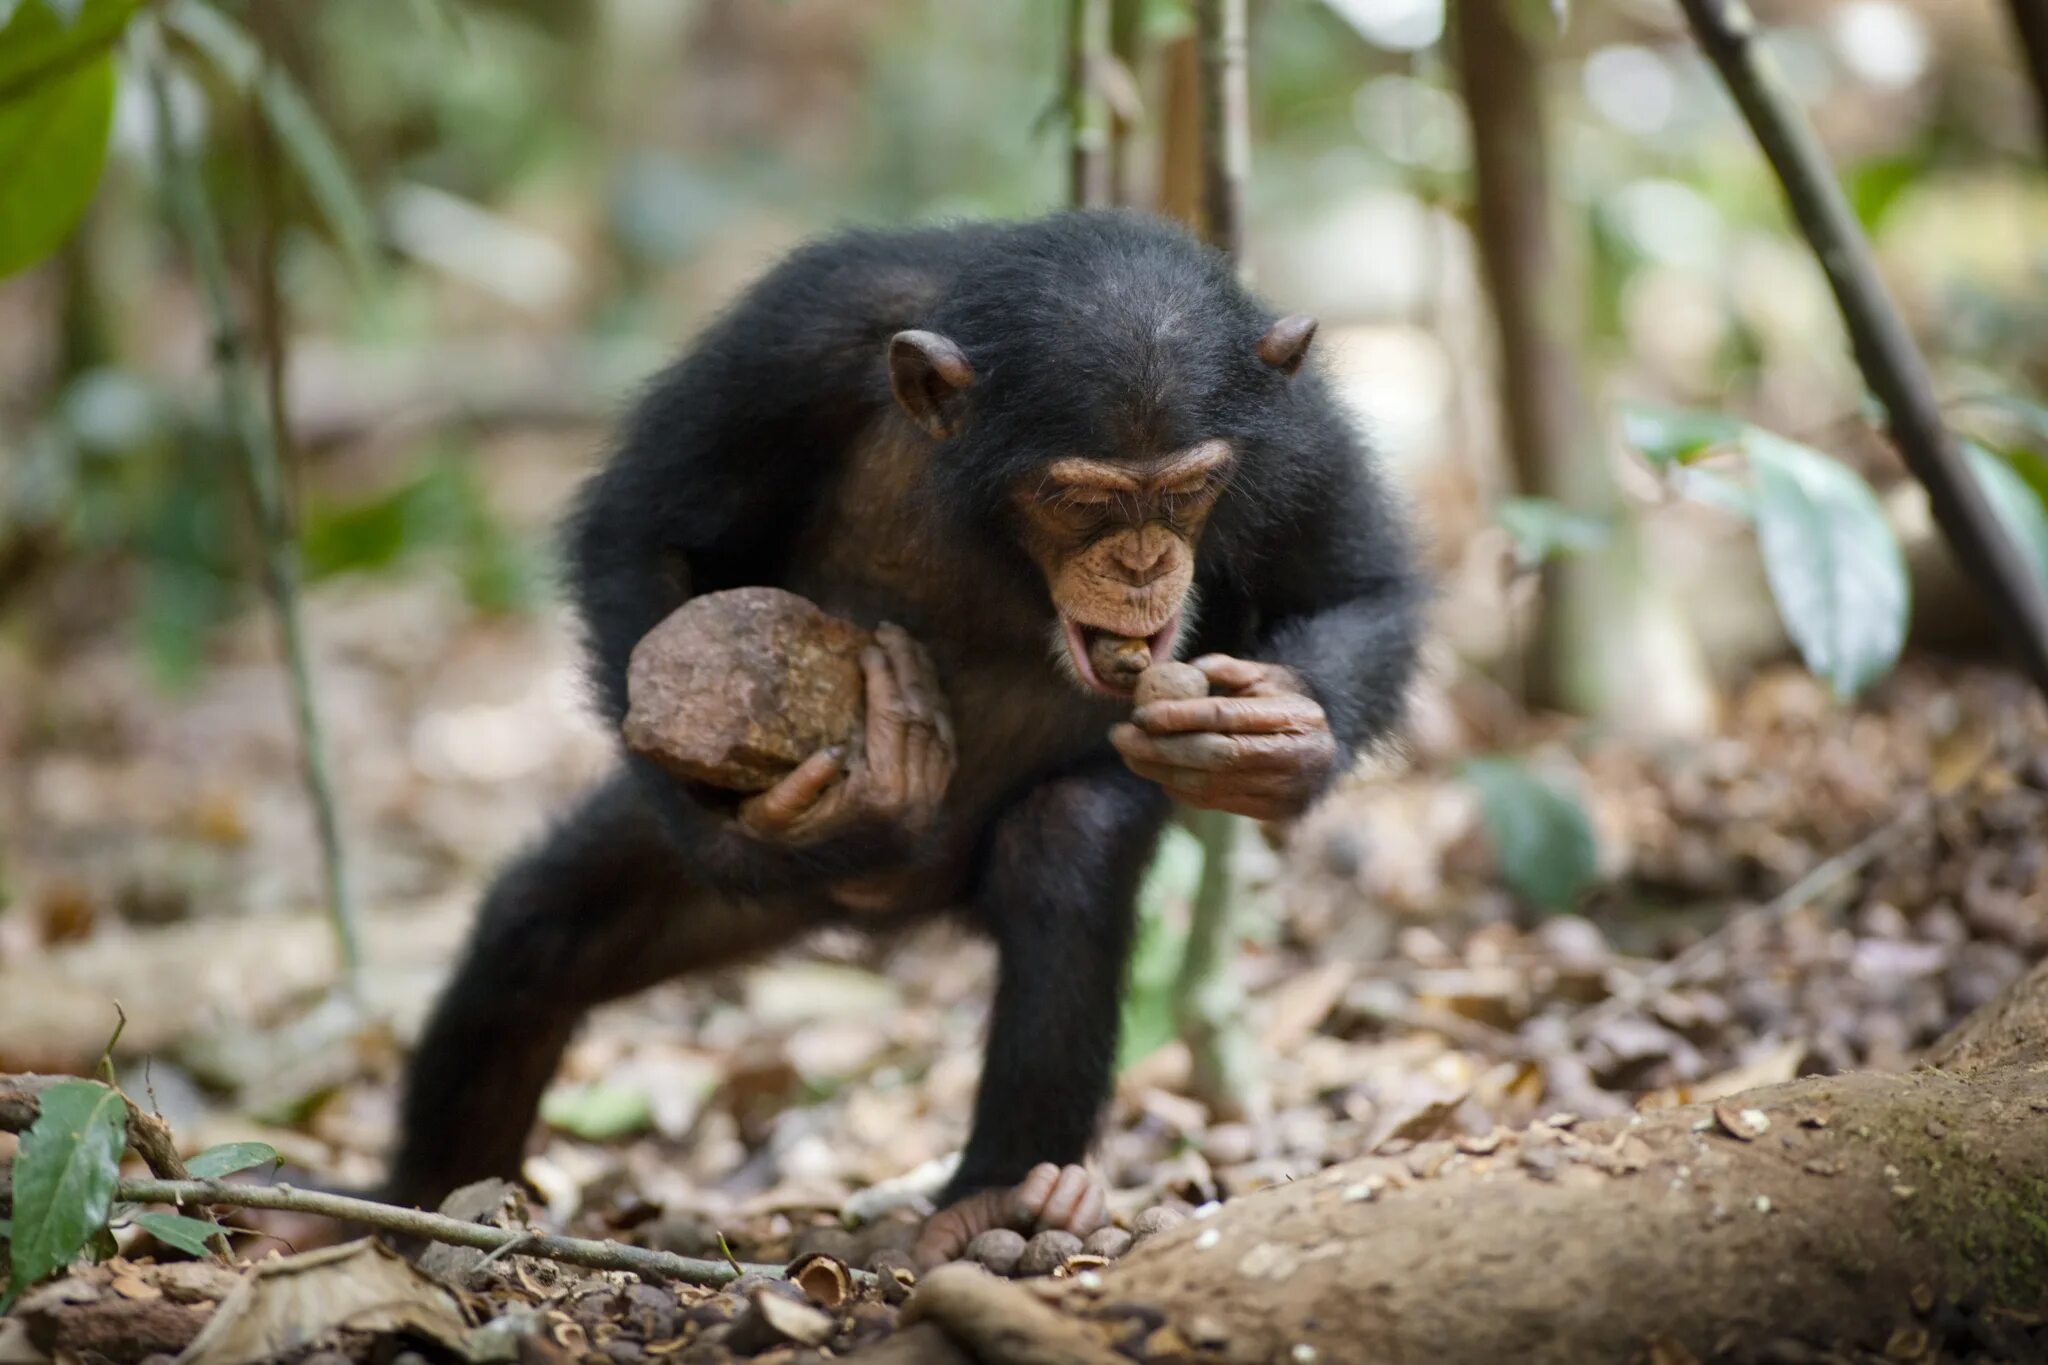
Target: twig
point(1817, 882)
point(261, 471)
point(1226, 123)
point(583, 1251)
point(1727, 31)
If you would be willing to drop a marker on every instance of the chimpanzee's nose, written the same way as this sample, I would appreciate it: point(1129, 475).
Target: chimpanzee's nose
point(1143, 553)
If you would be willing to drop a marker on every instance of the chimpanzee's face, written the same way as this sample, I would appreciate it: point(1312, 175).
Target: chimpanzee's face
point(1116, 542)
point(1113, 531)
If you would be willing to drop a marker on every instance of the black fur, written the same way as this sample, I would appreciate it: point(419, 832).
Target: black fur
point(1096, 334)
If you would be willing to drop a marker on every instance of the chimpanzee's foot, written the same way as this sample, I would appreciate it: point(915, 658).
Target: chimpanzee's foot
point(1066, 1198)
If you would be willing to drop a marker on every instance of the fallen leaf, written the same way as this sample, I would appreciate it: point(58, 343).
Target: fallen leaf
point(285, 1304)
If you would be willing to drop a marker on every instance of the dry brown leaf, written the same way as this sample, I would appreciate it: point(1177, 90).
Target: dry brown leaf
point(285, 1304)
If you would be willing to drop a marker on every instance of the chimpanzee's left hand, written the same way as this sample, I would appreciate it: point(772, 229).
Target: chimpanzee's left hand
point(1258, 745)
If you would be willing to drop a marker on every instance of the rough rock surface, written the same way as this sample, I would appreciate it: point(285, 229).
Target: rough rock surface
point(736, 688)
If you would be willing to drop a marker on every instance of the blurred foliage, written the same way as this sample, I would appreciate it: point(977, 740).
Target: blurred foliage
point(1539, 831)
point(1148, 1022)
point(1830, 555)
point(1543, 529)
point(440, 512)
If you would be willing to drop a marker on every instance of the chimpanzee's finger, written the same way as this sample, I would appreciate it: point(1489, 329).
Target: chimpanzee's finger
point(1230, 673)
point(942, 714)
point(1075, 1204)
point(1232, 716)
point(796, 793)
point(914, 682)
point(1218, 753)
point(1186, 783)
point(887, 717)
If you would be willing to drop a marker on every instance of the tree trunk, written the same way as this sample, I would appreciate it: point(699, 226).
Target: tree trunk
point(1226, 123)
point(1601, 627)
point(1879, 1214)
point(1180, 136)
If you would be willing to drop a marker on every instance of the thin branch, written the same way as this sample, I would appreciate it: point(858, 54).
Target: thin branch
point(1728, 33)
point(1226, 122)
point(583, 1251)
point(1090, 178)
point(262, 472)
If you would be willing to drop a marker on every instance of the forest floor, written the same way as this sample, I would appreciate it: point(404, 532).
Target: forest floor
point(1398, 993)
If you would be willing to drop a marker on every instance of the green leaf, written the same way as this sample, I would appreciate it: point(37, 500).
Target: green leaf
point(1540, 834)
point(53, 141)
point(320, 164)
point(64, 1178)
point(1674, 436)
point(1714, 489)
point(1833, 564)
point(2018, 505)
point(1147, 1022)
point(37, 45)
point(1543, 529)
point(230, 47)
point(189, 1235)
point(238, 57)
point(597, 1113)
point(229, 1157)
point(1876, 184)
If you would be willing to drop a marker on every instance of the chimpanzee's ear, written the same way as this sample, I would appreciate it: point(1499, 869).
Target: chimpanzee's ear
point(926, 369)
point(1286, 342)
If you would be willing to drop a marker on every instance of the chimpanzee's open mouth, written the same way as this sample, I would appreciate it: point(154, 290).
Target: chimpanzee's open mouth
point(1083, 641)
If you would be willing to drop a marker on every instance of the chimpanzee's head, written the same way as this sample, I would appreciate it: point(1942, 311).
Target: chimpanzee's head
point(1100, 395)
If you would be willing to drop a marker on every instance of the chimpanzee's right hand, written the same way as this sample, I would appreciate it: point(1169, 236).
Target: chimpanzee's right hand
point(897, 775)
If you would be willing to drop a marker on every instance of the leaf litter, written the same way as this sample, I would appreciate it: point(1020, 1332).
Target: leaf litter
point(1406, 999)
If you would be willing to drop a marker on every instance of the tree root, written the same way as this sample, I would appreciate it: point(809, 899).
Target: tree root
point(1876, 1213)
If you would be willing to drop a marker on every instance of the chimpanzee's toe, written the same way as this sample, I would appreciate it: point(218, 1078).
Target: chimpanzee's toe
point(1066, 1198)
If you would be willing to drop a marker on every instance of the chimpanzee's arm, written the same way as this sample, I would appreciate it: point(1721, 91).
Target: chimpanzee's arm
point(1058, 896)
point(1342, 603)
point(718, 469)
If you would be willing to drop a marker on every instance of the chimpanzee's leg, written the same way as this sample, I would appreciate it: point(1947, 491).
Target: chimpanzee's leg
point(601, 908)
point(1058, 896)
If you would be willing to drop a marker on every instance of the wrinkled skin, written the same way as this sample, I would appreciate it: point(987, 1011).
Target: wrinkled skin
point(895, 778)
point(1258, 746)
point(1049, 1198)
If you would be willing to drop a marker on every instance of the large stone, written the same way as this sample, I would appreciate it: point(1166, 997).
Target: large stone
point(736, 688)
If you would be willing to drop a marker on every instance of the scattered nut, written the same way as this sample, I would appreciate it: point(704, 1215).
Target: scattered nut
point(1047, 1251)
point(1108, 1243)
point(998, 1249)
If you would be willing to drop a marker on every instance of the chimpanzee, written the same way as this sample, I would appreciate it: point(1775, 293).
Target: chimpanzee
point(992, 443)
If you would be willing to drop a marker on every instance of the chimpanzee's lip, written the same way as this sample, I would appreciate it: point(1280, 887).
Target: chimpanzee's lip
point(1160, 642)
